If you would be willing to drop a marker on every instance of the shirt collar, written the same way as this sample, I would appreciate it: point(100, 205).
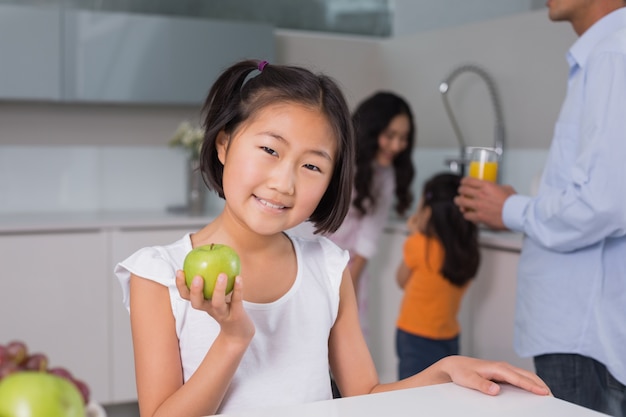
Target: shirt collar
point(581, 49)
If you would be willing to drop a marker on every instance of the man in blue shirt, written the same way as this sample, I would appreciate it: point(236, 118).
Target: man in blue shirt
point(571, 295)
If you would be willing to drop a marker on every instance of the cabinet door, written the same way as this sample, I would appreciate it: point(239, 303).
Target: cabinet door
point(123, 244)
point(54, 297)
point(132, 58)
point(490, 310)
point(384, 303)
point(30, 51)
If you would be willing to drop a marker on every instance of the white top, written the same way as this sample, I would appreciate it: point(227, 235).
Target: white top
point(359, 233)
point(287, 360)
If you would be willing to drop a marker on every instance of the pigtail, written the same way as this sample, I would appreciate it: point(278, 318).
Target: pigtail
point(458, 236)
point(221, 110)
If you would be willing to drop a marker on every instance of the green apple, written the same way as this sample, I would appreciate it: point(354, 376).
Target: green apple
point(34, 394)
point(209, 261)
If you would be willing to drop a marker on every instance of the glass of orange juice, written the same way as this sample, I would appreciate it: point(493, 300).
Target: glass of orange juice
point(483, 164)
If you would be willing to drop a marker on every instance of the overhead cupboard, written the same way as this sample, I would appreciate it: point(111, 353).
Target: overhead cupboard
point(30, 53)
point(72, 55)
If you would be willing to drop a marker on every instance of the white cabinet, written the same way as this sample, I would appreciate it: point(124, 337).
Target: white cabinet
point(30, 53)
point(384, 303)
point(54, 296)
point(486, 316)
point(133, 58)
point(124, 243)
point(59, 295)
point(76, 55)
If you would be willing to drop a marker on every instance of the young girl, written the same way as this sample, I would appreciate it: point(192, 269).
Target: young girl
point(279, 149)
point(440, 258)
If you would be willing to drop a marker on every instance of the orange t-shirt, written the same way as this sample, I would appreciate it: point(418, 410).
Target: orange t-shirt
point(431, 302)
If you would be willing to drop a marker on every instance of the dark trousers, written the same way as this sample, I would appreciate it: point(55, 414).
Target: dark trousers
point(583, 381)
point(416, 353)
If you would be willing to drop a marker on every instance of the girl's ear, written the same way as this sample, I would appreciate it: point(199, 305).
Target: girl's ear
point(221, 145)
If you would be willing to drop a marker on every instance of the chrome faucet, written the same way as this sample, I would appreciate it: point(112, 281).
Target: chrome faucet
point(458, 164)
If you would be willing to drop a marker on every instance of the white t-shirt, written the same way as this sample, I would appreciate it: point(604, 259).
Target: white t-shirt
point(287, 360)
point(360, 233)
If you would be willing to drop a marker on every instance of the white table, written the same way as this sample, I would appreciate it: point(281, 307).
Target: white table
point(445, 400)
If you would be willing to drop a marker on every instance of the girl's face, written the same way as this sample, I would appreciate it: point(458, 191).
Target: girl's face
point(393, 140)
point(277, 166)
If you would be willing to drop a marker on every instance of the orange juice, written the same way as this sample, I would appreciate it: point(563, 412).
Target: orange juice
point(484, 170)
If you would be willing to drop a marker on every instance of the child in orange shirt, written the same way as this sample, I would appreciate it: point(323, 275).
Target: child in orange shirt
point(440, 258)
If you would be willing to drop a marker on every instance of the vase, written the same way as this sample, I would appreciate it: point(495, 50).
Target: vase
point(196, 188)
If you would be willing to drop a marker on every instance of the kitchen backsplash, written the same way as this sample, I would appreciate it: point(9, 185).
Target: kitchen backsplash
point(90, 178)
point(123, 178)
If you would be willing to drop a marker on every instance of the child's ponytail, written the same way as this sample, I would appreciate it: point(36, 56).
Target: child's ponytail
point(458, 236)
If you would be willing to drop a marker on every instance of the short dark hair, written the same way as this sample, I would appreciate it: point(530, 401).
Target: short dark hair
point(458, 236)
point(242, 90)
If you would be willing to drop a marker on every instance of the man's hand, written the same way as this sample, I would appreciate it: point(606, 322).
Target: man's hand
point(482, 201)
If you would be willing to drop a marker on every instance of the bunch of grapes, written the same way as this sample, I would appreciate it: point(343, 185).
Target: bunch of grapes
point(15, 357)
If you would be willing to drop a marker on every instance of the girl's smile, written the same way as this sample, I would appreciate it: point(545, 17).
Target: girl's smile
point(270, 204)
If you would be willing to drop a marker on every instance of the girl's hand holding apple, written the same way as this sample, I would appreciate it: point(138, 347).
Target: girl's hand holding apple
point(226, 309)
point(208, 261)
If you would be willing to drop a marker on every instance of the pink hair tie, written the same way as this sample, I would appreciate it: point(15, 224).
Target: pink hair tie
point(262, 65)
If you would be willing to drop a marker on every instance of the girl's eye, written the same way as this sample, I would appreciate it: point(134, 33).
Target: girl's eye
point(269, 150)
point(312, 167)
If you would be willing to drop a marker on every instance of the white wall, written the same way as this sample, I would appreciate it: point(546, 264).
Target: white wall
point(524, 53)
point(355, 62)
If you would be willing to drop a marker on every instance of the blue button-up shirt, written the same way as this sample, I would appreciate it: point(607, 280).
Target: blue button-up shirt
point(571, 295)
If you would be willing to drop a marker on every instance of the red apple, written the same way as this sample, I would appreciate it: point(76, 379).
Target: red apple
point(209, 261)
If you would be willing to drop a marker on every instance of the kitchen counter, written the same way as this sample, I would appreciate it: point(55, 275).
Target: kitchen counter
point(82, 221)
point(444, 400)
point(505, 240)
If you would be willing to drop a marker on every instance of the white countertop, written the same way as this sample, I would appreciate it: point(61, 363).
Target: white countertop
point(445, 400)
point(505, 240)
point(501, 240)
point(82, 221)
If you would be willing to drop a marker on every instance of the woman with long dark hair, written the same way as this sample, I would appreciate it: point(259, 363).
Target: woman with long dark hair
point(385, 135)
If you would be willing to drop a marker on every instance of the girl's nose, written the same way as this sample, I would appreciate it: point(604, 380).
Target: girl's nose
point(283, 179)
point(398, 145)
